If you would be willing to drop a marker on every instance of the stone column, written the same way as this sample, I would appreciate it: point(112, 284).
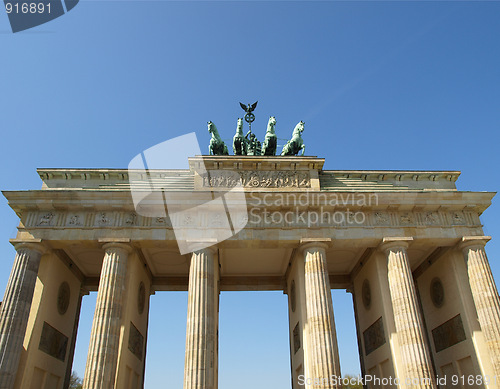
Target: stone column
point(72, 344)
point(15, 309)
point(358, 332)
point(200, 369)
point(322, 354)
point(414, 351)
point(484, 293)
point(102, 358)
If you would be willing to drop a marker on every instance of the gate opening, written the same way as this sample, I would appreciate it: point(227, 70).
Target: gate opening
point(254, 349)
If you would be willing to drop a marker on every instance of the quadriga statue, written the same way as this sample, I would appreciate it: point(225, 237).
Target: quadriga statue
point(239, 141)
point(294, 145)
point(217, 145)
point(271, 140)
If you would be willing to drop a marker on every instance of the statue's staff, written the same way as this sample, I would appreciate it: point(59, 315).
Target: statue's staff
point(249, 116)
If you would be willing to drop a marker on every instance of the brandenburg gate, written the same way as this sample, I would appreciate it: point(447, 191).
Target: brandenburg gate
point(407, 244)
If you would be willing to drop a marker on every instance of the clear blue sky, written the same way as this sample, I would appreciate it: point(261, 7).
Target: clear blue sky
point(380, 85)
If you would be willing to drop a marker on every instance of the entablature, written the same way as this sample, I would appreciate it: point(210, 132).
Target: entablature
point(418, 201)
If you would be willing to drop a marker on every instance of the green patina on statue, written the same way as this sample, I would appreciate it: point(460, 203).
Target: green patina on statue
point(271, 140)
point(294, 145)
point(239, 141)
point(253, 147)
point(249, 144)
point(217, 145)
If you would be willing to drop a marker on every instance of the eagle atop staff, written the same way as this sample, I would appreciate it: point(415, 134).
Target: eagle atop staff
point(248, 108)
point(249, 116)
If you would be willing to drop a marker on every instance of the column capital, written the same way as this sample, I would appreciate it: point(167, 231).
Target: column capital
point(211, 249)
point(391, 242)
point(31, 244)
point(198, 245)
point(113, 240)
point(123, 244)
point(472, 241)
point(322, 243)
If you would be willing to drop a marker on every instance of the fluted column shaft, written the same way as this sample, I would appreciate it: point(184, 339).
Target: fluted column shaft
point(410, 333)
point(102, 358)
point(322, 346)
point(485, 295)
point(15, 310)
point(200, 369)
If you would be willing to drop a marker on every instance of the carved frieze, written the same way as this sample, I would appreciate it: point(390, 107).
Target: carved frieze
point(374, 336)
point(218, 220)
point(131, 219)
point(188, 220)
point(46, 219)
point(160, 222)
point(406, 218)
point(53, 342)
point(257, 216)
point(103, 219)
point(136, 341)
point(257, 179)
point(449, 333)
point(457, 218)
point(382, 218)
point(296, 338)
point(432, 218)
point(75, 220)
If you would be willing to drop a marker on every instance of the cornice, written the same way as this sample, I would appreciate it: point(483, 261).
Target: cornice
point(110, 200)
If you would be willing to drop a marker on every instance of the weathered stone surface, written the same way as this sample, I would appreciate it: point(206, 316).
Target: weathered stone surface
point(135, 341)
point(412, 345)
point(105, 336)
point(200, 369)
point(79, 208)
point(296, 338)
point(484, 293)
point(374, 336)
point(15, 310)
point(257, 179)
point(448, 334)
point(53, 342)
point(322, 338)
